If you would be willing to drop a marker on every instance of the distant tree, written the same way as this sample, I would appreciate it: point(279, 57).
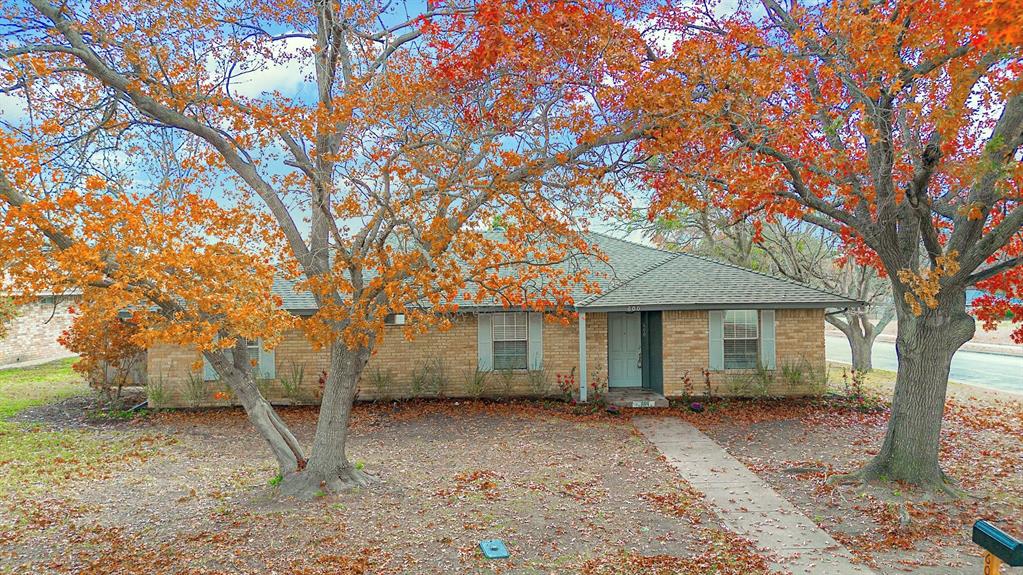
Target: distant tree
point(108, 350)
point(784, 248)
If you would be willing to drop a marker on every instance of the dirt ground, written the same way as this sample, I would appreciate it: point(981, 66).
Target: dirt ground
point(563, 493)
point(191, 492)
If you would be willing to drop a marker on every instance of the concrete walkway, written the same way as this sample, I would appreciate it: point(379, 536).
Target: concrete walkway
point(746, 504)
point(35, 362)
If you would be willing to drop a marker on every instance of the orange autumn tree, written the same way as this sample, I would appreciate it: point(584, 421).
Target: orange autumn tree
point(190, 272)
point(107, 348)
point(897, 125)
point(416, 125)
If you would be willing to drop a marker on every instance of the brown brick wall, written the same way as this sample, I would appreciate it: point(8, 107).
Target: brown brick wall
point(799, 349)
point(443, 363)
point(438, 363)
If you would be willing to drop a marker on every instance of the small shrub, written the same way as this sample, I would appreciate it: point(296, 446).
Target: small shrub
point(756, 383)
point(291, 382)
point(507, 381)
point(539, 384)
point(687, 387)
point(428, 378)
point(856, 395)
point(265, 386)
point(383, 383)
point(598, 390)
point(566, 384)
point(476, 382)
point(196, 389)
point(276, 480)
point(794, 373)
point(156, 391)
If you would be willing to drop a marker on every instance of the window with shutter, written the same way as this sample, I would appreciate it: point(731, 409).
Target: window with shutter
point(510, 338)
point(741, 339)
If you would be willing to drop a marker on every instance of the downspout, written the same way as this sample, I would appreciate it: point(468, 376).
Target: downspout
point(582, 357)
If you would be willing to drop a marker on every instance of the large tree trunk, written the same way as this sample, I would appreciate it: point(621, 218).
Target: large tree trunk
point(924, 346)
point(329, 469)
point(237, 374)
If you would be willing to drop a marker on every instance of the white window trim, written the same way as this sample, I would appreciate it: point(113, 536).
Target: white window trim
point(725, 339)
point(494, 339)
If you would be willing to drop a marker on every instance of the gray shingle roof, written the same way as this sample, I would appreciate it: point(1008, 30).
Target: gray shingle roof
point(293, 300)
point(640, 277)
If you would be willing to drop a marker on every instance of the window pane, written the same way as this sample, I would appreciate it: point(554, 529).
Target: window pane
point(510, 326)
point(509, 355)
point(741, 353)
point(740, 324)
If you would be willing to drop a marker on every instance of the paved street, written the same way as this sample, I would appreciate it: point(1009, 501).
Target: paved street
point(1001, 372)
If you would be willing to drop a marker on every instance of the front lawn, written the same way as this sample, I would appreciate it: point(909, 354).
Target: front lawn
point(568, 494)
point(35, 458)
point(28, 386)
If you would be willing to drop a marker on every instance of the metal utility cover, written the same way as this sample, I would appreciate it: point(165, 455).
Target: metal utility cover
point(494, 549)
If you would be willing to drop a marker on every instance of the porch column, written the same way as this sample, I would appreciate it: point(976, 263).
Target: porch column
point(582, 357)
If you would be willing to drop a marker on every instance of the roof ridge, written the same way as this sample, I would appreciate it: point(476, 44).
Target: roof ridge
point(672, 256)
point(766, 275)
point(631, 242)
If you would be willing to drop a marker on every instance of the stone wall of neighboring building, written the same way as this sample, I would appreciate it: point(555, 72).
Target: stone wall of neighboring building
point(443, 363)
point(32, 334)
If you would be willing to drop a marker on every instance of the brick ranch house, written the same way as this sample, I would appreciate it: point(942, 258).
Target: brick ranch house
point(661, 319)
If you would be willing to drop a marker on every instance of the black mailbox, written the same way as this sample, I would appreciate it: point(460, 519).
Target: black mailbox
point(998, 543)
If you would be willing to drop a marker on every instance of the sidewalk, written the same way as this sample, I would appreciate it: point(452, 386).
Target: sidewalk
point(1014, 350)
point(746, 504)
point(998, 342)
point(34, 362)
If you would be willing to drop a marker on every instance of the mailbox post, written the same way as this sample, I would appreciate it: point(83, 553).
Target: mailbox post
point(1000, 547)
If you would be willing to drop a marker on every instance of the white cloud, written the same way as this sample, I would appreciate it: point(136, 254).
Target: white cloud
point(288, 71)
point(13, 109)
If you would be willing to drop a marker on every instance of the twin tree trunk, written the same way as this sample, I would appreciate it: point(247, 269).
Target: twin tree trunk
point(861, 352)
point(328, 468)
point(924, 346)
point(860, 335)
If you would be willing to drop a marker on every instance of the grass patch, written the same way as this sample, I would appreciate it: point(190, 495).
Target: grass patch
point(34, 458)
point(25, 387)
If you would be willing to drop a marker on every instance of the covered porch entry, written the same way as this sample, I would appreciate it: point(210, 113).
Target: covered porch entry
point(634, 359)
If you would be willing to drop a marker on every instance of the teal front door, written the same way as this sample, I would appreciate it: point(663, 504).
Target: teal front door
point(624, 350)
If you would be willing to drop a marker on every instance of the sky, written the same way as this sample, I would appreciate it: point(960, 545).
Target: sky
point(290, 79)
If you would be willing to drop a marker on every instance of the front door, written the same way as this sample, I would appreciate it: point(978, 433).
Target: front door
point(624, 350)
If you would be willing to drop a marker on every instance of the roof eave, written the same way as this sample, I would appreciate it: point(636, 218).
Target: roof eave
point(715, 306)
point(655, 307)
